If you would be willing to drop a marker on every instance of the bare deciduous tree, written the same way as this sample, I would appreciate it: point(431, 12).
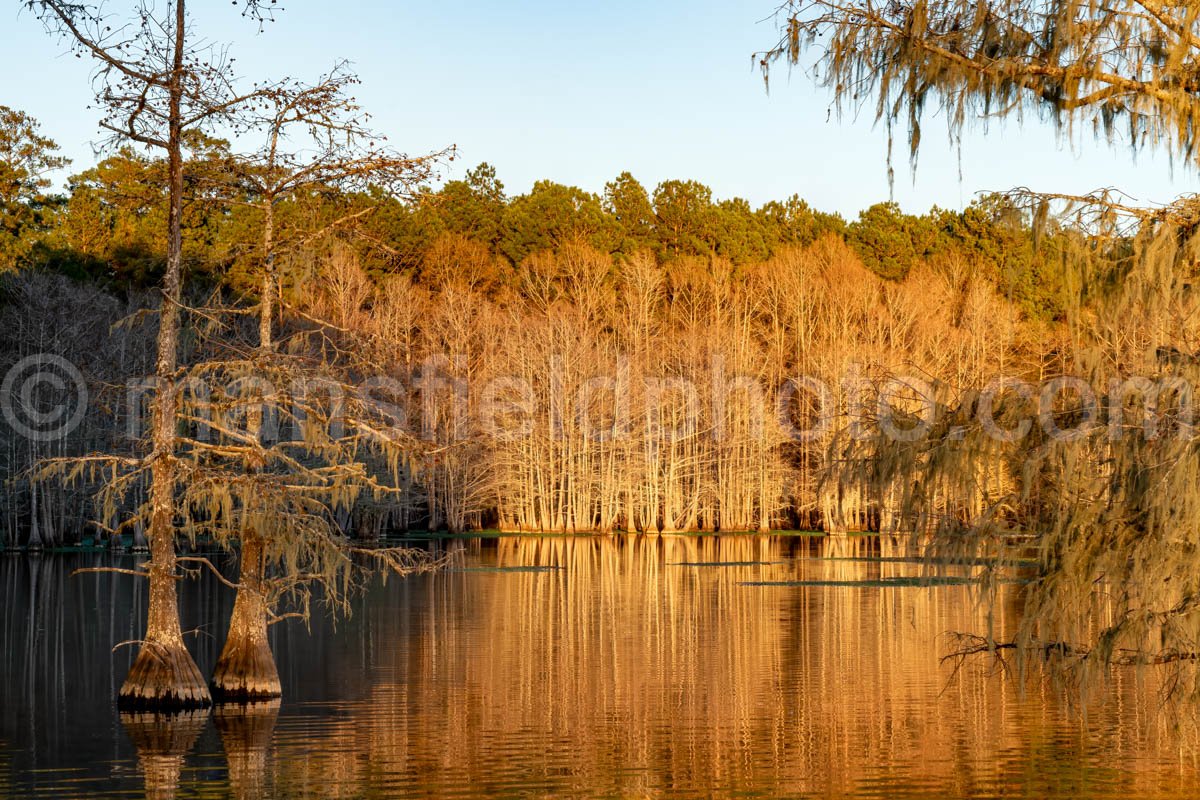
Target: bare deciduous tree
point(317, 141)
point(155, 86)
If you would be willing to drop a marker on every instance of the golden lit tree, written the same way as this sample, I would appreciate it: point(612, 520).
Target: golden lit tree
point(1113, 508)
point(1127, 68)
point(316, 143)
point(154, 83)
point(26, 160)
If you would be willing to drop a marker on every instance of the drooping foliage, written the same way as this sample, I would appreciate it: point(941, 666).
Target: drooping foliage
point(1106, 498)
point(1126, 69)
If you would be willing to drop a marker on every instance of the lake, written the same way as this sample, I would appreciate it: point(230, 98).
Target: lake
point(683, 666)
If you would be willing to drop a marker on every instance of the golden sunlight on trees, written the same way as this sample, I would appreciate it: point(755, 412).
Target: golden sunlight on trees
point(725, 497)
point(287, 527)
point(650, 389)
point(159, 90)
point(26, 159)
point(1111, 507)
point(153, 87)
point(646, 359)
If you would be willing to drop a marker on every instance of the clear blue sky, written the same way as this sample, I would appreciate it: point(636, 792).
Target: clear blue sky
point(578, 92)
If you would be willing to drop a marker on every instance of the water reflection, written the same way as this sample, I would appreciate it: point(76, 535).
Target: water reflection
point(246, 732)
point(619, 666)
point(163, 741)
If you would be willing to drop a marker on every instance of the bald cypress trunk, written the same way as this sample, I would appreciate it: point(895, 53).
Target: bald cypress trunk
point(164, 675)
point(246, 669)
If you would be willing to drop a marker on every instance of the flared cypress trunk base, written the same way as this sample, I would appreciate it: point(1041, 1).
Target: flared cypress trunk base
point(246, 671)
point(163, 678)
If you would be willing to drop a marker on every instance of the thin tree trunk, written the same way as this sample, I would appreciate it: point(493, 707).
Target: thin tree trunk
point(266, 314)
point(35, 514)
point(164, 673)
point(246, 669)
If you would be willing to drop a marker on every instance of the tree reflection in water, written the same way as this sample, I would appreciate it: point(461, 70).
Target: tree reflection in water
point(644, 665)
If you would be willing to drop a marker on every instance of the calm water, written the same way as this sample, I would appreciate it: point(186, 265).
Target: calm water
point(672, 666)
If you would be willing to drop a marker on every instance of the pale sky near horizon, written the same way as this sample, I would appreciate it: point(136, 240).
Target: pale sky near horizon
point(578, 93)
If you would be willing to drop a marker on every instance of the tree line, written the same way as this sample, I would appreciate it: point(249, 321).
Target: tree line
point(108, 225)
point(559, 287)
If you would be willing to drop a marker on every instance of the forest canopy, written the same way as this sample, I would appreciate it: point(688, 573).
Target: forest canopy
point(108, 226)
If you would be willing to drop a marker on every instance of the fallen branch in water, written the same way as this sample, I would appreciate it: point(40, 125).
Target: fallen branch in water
point(404, 560)
point(977, 645)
